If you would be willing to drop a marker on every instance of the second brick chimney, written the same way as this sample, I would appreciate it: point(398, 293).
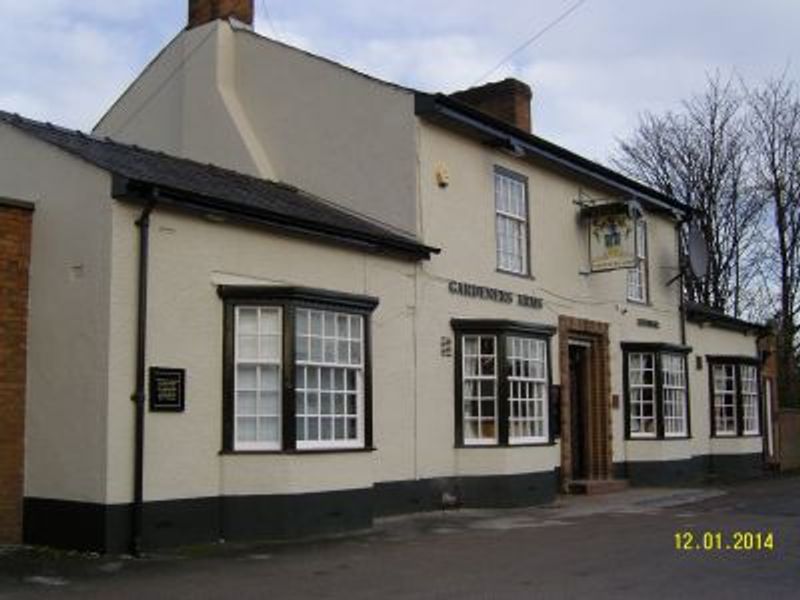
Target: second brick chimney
point(205, 11)
point(508, 100)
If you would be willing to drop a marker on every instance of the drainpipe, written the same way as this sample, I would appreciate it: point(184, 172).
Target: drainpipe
point(143, 223)
point(682, 266)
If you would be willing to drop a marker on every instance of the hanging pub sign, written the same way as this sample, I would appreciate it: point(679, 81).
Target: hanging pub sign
point(612, 237)
point(167, 389)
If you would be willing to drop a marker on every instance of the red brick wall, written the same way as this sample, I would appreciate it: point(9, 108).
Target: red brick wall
point(15, 240)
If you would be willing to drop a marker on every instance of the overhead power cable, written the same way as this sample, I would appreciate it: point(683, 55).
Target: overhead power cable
point(531, 40)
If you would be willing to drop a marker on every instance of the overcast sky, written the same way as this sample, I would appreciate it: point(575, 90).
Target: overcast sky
point(66, 60)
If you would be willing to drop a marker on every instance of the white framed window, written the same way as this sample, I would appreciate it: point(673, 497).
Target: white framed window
point(528, 390)
point(479, 389)
point(511, 222)
point(329, 373)
point(637, 276)
point(673, 390)
point(257, 378)
point(724, 378)
point(749, 380)
point(642, 394)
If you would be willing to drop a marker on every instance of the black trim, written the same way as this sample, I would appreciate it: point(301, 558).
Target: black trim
point(460, 117)
point(289, 299)
point(701, 314)
point(657, 349)
point(736, 362)
point(106, 528)
point(500, 329)
point(504, 325)
point(129, 190)
point(701, 469)
point(18, 204)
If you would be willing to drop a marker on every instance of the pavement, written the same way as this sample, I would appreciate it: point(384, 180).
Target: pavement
point(620, 545)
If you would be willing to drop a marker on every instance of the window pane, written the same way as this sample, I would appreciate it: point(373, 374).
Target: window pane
point(333, 366)
point(528, 393)
point(673, 368)
point(479, 389)
point(511, 224)
point(257, 393)
point(641, 393)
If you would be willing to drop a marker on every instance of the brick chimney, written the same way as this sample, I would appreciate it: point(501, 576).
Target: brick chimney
point(508, 100)
point(205, 11)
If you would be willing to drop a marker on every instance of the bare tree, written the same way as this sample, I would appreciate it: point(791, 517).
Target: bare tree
point(774, 127)
point(700, 156)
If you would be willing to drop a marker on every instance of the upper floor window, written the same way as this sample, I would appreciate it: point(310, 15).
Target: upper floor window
point(637, 276)
point(656, 391)
point(503, 380)
point(511, 221)
point(736, 407)
point(296, 369)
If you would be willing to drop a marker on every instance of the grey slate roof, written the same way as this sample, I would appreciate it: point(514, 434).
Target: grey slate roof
point(207, 188)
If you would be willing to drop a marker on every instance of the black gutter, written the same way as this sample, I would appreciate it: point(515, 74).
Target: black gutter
point(515, 139)
point(143, 223)
point(136, 191)
point(700, 314)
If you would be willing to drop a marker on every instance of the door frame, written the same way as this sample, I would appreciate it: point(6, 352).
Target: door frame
point(594, 336)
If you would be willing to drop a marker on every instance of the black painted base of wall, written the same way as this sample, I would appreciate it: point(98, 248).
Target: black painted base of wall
point(107, 528)
point(490, 491)
point(693, 471)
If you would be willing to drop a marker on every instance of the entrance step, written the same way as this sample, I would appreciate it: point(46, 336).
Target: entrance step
point(592, 487)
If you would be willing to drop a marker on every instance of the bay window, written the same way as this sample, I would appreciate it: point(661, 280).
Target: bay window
point(735, 396)
point(656, 391)
point(296, 373)
point(502, 383)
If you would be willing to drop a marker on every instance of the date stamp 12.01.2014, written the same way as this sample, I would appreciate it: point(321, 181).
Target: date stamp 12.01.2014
point(734, 541)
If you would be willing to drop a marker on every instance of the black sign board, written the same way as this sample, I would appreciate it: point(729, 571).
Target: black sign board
point(167, 389)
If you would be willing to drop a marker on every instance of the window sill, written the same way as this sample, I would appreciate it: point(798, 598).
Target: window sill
point(737, 436)
point(674, 438)
point(504, 446)
point(296, 451)
point(527, 276)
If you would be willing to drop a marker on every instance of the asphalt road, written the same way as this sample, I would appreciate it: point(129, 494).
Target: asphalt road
point(617, 546)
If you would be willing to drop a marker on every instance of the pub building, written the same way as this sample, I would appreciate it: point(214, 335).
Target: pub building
point(272, 297)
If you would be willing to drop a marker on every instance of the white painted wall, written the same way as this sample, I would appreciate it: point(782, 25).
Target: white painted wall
point(228, 96)
point(67, 390)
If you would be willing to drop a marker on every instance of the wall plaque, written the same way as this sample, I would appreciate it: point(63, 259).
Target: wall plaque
point(167, 389)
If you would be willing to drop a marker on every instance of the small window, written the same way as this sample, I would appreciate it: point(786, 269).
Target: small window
point(673, 390)
point(511, 222)
point(503, 382)
point(725, 399)
point(637, 276)
point(316, 339)
point(736, 408)
point(642, 391)
point(657, 394)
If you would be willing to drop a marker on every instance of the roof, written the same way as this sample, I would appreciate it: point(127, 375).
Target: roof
point(223, 193)
point(456, 115)
point(700, 314)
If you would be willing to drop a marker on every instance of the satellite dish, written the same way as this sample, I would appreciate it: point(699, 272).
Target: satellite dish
point(698, 252)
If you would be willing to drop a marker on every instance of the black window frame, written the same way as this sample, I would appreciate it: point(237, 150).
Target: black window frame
point(737, 362)
point(656, 349)
point(502, 329)
point(289, 299)
point(506, 172)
